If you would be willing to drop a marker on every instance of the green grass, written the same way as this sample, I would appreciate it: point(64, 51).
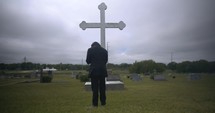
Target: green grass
point(67, 95)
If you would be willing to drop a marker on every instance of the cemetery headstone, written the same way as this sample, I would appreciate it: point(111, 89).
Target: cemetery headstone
point(110, 85)
point(194, 76)
point(113, 78)
point(135, 77)
point(113, 82)
point(159, 78)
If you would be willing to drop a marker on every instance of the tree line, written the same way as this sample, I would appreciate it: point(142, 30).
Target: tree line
point(37, 66)
point(150, 66)
point(201, 66)
point(145, 66)
point(60, 66)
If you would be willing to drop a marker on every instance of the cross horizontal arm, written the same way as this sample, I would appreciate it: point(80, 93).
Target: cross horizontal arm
point(83, 25)
point(119, 25)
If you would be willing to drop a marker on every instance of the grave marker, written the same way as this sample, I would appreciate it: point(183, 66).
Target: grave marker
point(159, 78)
point(194, 76)
point(113, 78)
point(135, 77)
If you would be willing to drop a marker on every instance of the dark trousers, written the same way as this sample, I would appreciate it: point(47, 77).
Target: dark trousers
point(98, 87)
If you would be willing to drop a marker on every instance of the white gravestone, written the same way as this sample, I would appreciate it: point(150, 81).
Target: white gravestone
point(102, 25)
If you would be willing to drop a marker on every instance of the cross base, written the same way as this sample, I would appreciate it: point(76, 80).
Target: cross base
point(110, 85)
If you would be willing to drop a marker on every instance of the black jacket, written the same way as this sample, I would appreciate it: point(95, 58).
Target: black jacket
point(97, 57)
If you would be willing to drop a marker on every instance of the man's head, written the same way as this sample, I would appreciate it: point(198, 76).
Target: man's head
point(95, 44)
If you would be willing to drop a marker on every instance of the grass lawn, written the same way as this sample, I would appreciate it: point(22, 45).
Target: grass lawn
point(67, 95)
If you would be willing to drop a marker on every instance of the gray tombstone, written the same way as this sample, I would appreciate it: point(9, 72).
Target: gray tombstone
point(194, 76)
point(159, 78)
point(113, 83)
point(110, 85)
point(135, 77)
point(113, 78)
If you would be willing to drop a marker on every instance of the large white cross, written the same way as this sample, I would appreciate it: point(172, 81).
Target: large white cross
point(102, 25)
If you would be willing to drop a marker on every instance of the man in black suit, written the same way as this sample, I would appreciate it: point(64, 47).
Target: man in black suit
point(97, 57)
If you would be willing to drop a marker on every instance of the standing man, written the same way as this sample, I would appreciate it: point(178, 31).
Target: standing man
point(97, 57)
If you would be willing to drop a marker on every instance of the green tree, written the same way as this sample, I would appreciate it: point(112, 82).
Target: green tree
point(172, 65)
point(147, 66)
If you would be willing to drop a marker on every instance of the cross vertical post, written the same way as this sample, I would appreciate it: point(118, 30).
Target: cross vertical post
point(102, 7)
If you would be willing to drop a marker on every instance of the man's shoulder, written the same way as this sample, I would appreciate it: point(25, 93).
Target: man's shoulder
point(102, 49)
point(89, 49)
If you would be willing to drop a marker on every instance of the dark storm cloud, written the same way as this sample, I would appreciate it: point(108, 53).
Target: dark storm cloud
point(186, 28)
point(47, 31)
point(24, 32)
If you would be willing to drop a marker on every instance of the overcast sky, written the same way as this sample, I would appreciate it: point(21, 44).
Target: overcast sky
point(47, 31)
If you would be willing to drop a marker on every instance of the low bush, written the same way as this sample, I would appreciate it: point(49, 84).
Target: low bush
point(83, 78)
point(152, 77)
point(46, 79)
